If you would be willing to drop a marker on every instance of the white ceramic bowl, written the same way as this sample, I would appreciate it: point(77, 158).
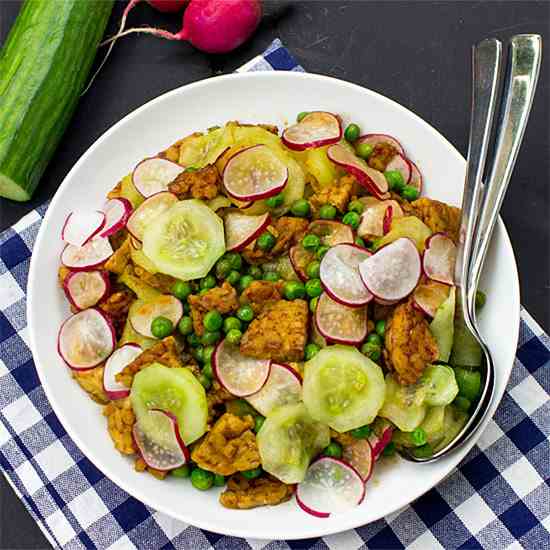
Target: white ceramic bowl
point(276, 98)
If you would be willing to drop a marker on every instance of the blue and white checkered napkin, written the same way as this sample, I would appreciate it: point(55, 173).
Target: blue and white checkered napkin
point(498, 498)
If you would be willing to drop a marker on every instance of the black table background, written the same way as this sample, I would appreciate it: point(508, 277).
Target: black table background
point(417, 53)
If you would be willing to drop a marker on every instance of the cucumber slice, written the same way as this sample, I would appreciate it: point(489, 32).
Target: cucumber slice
point(432, 425)
point(404, 405)
point(466, 349)
point(343, 388)
point(130, 336)
point(288, 440)
point(442, 326)
point(440, 384)
point(453, 422)
point(173, 390)
point(142, 290)
point(185, 241)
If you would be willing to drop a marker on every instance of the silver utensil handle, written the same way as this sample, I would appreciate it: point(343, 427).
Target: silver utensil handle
point(525, 54)
point(486, 68)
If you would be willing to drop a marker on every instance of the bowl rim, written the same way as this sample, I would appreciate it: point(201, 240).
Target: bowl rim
point(456, 457)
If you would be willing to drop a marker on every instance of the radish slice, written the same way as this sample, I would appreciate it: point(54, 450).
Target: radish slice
point(379, 442)
point(85, 289)
point(359, 454)
point(82, 226)
point(385, 302)
point(238, 374)
point(375, 139)
point(165, 305)
point(400, 164)
point(240, 229)
point(428, 297)
point(330, 486)
point(339, 274)
point(373, 180)
point(86, 339)
point(376, 217)
point(314, 130)
point(393, 271)
point(152, 175)
point(115, 364)
point(283, 387)
point(416, 177)
point(87, 257)
point(299, 258)
point(439, 258)
point(388, 217)
point(339, 323)
point(331, 232)
point(117, 211)
point(147, 211)
point(254, 173)
point(165, 450)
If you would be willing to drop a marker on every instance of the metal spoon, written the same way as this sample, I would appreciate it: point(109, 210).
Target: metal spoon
point(481, 204)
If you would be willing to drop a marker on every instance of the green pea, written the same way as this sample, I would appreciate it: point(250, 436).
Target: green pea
point(234, 336)
point(245, 313)
point(362, 432)
point(311, 351)
point(275, 201)
point(219, 480)
point(313, 304)
point(327, 212)
point(193, 340)
point(352, 219)
point(272, 276)
point(469, 383)
point(190, 169)
point(352, 132)
point(207, 370)
point(311, 242)
point(364, 150)
point(258, 423)
point(321, 251)
point(410, 193)
point(207, 354)
point(223, 268)
point(202, 479)
point(210, 337)
point(462, 403)
point(252, 474)
point(182, 471)
point(234, 259)
point(161, 327)
point(395, 180)
point(481, 298)
point(186, 307)
point(313, 269)
point(266, 241)
point(424, 451)
point(372, 351)
point(255, 272)
point(389, 449)
point(356, 206)
point(333, 449)
point(314, 288)
point(380, 328)
point(213, 320)
point(205, 381)
point(233, 278)
point(360, 242)
point(301, 116)
point(374, 338)
point(418, 437)
point(198, 353)
point(230, 323)
point(293, 290)
point(204, 291)
point(300, 208)
point(245, 281)
point(185, 326)
point(181, 289)
point(207, 282)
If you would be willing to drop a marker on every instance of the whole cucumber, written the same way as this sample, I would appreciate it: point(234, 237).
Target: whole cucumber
point(44, 66)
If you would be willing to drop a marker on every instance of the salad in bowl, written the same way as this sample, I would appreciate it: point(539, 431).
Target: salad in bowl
point(271, 312)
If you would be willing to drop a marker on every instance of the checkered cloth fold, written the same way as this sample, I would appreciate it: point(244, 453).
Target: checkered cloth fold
point(499, 497)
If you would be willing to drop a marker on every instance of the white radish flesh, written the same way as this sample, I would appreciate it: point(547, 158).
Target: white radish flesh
point(331, 232)
point(147, 211)
point(87, 257)
point(165, 305)
point(81, 226)
point(241, 230)
point(392, 272)
point(375, 139)
point(85, 289)
point(152, 175)
point(117, 211)
point(379, 442)
point(400, 164)
point(375, 219)
point(316, 129)
point(359, 454)
point(120, 358)
point(300, 258)
point(439, 258)
point(86, 339)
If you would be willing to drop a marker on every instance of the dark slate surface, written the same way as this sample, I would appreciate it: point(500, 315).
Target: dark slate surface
point(414, 52)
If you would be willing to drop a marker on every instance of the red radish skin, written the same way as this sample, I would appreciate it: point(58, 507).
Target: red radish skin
point(93, 286)
point(121, 357)
point(81, 227)
point(299, 258)
point(380, 442)
point(87, 257)
point(439, 258)
point(375, 219)
point(241, 230)
point(416, 177)
point(210, 25)
point(360, 455)
point(316, 129)
point(386, 222)
point(117, 211)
